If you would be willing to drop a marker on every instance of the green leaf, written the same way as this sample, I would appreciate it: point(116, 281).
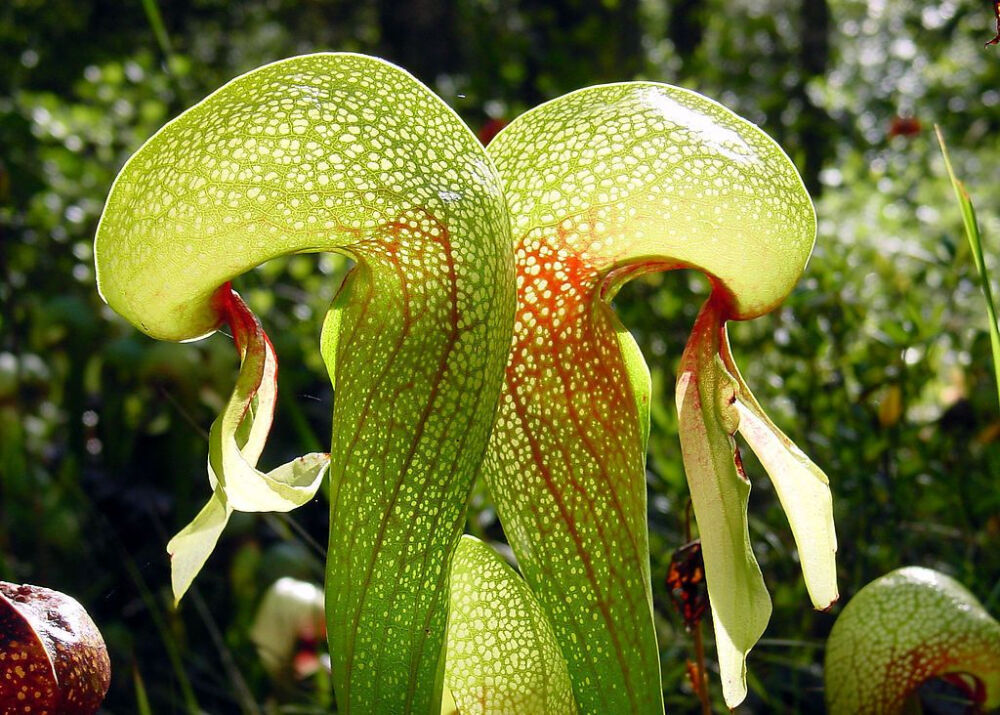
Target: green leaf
point(605, 184)
point(638, 376)
point(802, 487)
point(720, 492)
point(339, 152)
point(192, 545)
point(235, 441)
point(502, 652)
point(713, 403)
point(902, 629)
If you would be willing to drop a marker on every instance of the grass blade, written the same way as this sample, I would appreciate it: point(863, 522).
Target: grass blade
point(141, 698)
point(975, 243)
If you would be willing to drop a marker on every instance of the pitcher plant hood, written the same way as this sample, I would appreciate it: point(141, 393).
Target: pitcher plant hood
point(335, 152)
point(605, 184)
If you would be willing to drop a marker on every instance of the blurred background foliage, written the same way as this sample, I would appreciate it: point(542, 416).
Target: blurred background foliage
point(878, 365)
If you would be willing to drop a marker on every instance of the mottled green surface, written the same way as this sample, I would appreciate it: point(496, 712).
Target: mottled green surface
point(348, 153)
point(503, 658)
point(605, 184)
point(902, 629)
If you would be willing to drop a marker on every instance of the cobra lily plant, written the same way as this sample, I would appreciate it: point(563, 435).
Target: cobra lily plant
point(475, 335)
point(603, 185)
point(903, 629)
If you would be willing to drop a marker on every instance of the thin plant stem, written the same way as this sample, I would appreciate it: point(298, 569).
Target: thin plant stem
point(149, 600)
point(185, 415)
point(240, 687)
point(155, 20)
point(169, 643)
point(159, 29)
point(700, 687)
point(141, 698)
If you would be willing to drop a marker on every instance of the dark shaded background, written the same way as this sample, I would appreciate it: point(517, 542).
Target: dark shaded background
point(878, 365)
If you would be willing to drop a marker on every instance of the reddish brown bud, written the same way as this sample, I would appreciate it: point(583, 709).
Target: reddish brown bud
point(52, 658)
